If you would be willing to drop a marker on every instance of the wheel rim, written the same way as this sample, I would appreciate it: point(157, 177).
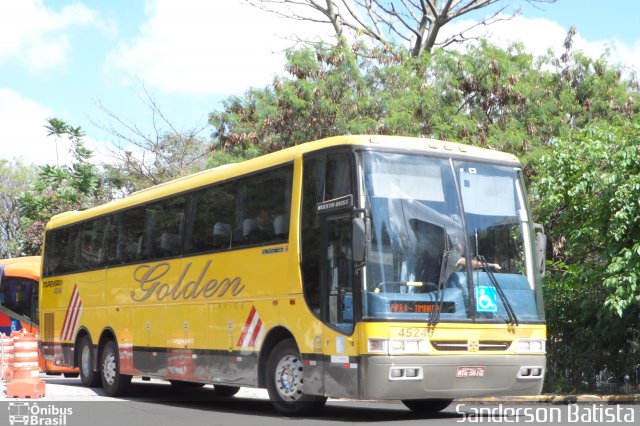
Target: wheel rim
point(109, 368)
point(86, 361)
point(288, 377)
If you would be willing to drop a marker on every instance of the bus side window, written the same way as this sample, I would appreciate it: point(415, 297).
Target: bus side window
point(163, 228)
point(92, 255)
point(208, 226)
point(49, 267)
point(130, 231)
point(263, 201)
point(312, 194)
point(18, 295)
point(66, 249)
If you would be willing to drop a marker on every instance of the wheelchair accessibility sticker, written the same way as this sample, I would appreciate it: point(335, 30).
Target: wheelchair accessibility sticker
point(486, 299)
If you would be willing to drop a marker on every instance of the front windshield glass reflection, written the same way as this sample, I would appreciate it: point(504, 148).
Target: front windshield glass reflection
point(418, 267)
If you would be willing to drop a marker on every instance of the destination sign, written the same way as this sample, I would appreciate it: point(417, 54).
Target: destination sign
point(421, 307)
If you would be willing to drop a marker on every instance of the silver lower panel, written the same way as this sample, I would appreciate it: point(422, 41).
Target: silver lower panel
point(438, 377)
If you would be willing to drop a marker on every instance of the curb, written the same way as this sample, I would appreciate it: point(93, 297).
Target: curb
point(558, 399)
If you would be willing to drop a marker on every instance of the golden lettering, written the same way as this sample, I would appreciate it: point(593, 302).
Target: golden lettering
point(151, 284)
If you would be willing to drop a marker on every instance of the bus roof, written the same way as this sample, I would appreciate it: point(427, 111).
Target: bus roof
point(25, 267)
point(229, 171)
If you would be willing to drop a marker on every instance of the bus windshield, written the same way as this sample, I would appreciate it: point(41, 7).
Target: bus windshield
point(450, 240)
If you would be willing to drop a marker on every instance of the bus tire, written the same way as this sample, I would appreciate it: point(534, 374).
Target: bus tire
point(285, 382)
point(224, 390)
point(113, 382)
point(426, 406)
point(88, 376)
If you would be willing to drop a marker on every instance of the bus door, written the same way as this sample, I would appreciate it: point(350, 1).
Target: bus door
point(340, 372)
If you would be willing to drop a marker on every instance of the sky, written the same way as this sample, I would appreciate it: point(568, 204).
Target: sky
point(65, 58)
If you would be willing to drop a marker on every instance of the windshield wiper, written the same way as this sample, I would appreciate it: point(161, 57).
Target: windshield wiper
point(513, 319)
point(434, 318)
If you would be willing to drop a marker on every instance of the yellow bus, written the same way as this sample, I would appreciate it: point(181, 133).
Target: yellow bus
point(363, 267)
point(19, 280)
point(19, 294)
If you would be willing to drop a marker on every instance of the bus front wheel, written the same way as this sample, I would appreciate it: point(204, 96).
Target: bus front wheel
point(285, 382)
point(88, 376)
point(426, 406)
point(113, 382)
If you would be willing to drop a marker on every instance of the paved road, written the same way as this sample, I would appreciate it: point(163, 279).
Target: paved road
point(156, 403)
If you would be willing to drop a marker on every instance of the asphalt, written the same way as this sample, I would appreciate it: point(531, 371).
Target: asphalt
point(59, 388)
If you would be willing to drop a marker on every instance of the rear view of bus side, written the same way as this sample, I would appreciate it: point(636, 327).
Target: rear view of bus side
point(360, 267)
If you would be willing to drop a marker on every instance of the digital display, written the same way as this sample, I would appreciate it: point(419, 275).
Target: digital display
point(421, 307)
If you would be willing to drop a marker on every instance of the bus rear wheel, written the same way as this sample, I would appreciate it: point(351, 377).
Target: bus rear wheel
point(426, 406)
point(88, 377)
point(113, 382)
point(285, 382)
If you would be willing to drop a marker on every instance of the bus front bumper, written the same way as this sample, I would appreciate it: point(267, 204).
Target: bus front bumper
point(451, 376)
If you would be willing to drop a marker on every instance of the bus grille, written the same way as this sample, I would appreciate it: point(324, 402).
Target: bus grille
point(463, 345)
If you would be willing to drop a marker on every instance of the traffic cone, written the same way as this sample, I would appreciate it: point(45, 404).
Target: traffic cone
point(25, 381)
point(6, 356)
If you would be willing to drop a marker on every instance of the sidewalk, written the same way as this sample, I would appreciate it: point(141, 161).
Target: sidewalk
point(559, 399)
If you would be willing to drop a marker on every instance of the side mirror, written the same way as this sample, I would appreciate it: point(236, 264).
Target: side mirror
point(361, 239)
point(541, 248)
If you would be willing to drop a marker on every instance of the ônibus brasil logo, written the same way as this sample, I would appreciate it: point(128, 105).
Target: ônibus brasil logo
point(32, 414)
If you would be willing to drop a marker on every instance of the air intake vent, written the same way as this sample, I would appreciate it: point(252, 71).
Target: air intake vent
point(463, 345)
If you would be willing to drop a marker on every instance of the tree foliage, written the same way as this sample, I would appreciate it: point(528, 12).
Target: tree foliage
point(587, 191)
point(152, 154)
point(57, 189)
point(486, 96)
point(15, 179)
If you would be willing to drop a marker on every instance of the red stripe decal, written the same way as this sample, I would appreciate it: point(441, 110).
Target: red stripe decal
point(247, 324)
point(66, 315)
point(75, 313)
point(72, 315)
point(256, 331)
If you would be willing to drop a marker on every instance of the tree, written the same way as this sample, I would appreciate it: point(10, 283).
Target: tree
point(56, 128)
point(14, 180)
point(152, 155)
point(57, 189)
point(586, 191)
point(486, 96)
point(416, 23)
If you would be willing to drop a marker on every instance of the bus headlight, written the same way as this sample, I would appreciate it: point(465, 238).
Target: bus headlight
point(397, 346)
point(378, 345)
point(527, 346)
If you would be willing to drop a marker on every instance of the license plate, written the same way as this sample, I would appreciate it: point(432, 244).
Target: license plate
point(464, 372)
